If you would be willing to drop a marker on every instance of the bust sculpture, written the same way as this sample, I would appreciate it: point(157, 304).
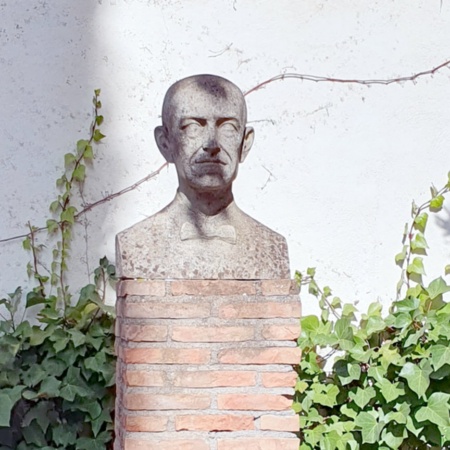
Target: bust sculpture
point(202, 234)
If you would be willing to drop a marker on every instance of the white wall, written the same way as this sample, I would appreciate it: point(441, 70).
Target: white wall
point(334, 167)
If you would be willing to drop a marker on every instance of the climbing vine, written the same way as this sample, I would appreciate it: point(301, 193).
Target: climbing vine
point(57, 376)
point(389, 383)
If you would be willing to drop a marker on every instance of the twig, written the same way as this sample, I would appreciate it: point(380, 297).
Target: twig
point(97, 203)
point(349, 80)
point(123, 191)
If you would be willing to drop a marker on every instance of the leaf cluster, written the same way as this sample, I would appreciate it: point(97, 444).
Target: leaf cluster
point(389, 382)
point(57, 378)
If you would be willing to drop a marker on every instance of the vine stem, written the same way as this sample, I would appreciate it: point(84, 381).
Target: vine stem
point(97, 203)
point(35, 259)
point(317, 79)
point(410, 234)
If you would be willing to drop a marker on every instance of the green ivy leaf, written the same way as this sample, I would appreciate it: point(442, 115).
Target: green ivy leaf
point(417, 378)
point(348, 411)
point(26, 243)
point(343, 329)
point(394, 438)
point(370, 426)
point(436, 203)
point(437, 287)
point(5, 409)
point(74, 385)
point(390, 391)
point(34, 298)
point(88, 154)
point(64, 434)
point(99, 120)
point(374, 325)
point(49, 387)
point(437, 410)
point(362, 396)
point(348, 310)
point(52, 225)
point(309, 324)
point(33, 434)
point(440, 355)
point(419, 243)
point(40, 413)
point(69, 160)
point(68, 215)
point(81, 146)
point(420, 222)
point(98, 136)
point(79, 174)
point(33, 376)
point(325, 394)
point(407, 305)
point(347, 372)
point(400, 257)
point(416, 266)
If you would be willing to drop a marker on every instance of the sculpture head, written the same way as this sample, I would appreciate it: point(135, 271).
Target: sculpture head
point(204, 132)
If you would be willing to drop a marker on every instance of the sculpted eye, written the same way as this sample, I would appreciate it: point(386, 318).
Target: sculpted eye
point(228, 127)
point(192, 129)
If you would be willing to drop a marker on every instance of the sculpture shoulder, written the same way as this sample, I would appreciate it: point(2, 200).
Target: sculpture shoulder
point(256, 228)
point(149, 226)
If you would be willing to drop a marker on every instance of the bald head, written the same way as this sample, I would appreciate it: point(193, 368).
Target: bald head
point(204, 133)
point(196, 87)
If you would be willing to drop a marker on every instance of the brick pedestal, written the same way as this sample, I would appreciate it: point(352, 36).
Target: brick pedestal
point(206, 365)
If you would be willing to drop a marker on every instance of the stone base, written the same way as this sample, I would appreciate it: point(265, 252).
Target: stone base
point(206, 365)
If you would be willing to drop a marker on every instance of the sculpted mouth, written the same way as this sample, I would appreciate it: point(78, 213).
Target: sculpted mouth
point(210, 161)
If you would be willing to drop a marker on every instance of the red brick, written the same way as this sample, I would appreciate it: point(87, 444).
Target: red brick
point(214, 378)
point(257, 402)
point(144, 378)
point(279, 379)
point(261, 310)
point(144, 355)
point(162, 310)
point(279, 423)
point(153, 402)
point(212, 334)
point(170, 444)
point(258, 443)
point(146, 423)
point(141, 287)
point(276, 287)
point(214, 422)
point(273, 355)
point(143, 333)
point(213, 287)
point(281, 332)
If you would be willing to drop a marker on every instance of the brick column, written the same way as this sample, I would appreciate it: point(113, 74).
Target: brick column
point(206, 365)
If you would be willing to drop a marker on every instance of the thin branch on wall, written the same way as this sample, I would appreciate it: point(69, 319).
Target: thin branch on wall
point(97, 203)
point(280, 77)
point(318, 79)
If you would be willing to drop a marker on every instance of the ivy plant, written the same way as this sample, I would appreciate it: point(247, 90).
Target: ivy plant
point(389, 383)
point(57, 376)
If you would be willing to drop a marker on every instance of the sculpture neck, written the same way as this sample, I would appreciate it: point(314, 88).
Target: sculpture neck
point(209, 203)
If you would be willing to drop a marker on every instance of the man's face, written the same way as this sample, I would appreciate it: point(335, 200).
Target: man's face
point(205, 136)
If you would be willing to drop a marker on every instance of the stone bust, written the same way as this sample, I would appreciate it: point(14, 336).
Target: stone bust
point(202, 234)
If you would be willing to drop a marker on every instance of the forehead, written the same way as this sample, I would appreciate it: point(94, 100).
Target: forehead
point(191, 100)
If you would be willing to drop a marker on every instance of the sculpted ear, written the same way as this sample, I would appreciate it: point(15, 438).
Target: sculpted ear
point(162, 142)
point(247, 142)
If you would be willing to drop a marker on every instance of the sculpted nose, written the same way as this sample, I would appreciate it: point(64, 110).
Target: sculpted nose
point(211, 146)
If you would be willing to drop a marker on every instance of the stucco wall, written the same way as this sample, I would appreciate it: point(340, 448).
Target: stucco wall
point(334, 167)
